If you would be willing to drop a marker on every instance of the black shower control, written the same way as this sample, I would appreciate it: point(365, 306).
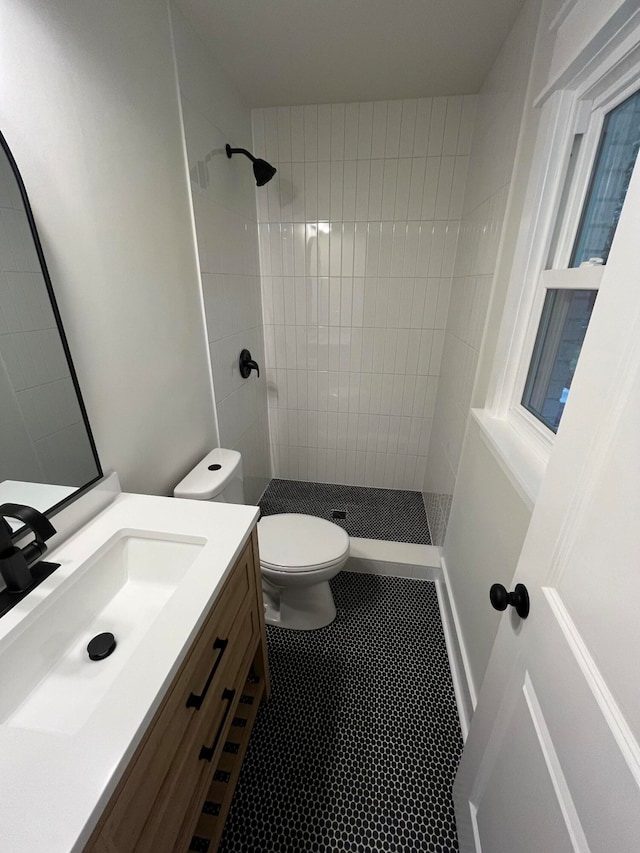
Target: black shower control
point(247, 364)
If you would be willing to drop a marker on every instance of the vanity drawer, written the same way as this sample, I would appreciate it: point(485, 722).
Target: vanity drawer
point(191, 710)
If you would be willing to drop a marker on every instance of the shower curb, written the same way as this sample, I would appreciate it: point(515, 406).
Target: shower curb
point(394, 559)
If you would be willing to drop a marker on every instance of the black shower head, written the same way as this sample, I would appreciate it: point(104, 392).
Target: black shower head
point(262, 170)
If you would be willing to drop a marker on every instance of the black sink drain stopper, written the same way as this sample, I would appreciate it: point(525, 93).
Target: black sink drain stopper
point(101, 646)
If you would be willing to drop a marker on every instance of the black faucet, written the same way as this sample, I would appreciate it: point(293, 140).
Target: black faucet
point(16, 563)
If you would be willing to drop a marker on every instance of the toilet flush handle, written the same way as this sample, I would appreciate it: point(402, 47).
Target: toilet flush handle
point(247, 364)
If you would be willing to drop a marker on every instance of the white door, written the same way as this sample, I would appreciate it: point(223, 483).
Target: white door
point(552, 761)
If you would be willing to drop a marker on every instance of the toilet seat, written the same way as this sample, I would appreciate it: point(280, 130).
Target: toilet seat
point(293, 542)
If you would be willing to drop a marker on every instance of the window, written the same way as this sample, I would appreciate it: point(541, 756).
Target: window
point(586, 125)
point(614, 164)
point(565, 317)
point(568, 292)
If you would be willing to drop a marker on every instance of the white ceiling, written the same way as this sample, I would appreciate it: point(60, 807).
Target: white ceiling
point(280, 52)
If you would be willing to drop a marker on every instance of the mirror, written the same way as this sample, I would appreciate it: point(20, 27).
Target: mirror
point(47, 452)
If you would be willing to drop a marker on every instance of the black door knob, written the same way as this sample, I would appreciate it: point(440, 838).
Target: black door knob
point(247, 364)
point(519, 598)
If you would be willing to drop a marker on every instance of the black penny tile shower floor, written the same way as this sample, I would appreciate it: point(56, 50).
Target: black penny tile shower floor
point(357, 748)
point(389, 514)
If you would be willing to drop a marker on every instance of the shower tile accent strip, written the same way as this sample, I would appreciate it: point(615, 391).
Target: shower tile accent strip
point(359, 744)
point(390, 514)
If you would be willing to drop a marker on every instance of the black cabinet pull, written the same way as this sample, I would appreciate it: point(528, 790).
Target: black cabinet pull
point(195, 700)
point(207, 752)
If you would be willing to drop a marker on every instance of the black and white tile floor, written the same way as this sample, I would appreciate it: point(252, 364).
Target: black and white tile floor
point(359, 744)
point(391, 514)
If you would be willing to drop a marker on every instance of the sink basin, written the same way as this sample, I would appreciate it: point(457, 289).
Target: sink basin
point(122, 588)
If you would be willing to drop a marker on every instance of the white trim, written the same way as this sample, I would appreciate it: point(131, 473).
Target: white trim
point(627, 743)
point(420, 562)
point(573, 278)
point(394, 559)
point(558, 780)
point(561, 15)
point(606, 48)
point(458, 631)
point(523, 421)
point(607, 72)
point(521, 464)
point(394, 552)
point(576, 193)
point(543, 198)
point(612, 87)
point(473, 813)
point(460, 687)
point(528, 428)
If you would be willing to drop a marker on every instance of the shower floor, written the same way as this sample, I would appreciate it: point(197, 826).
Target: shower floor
point(358, 746)
point(391, 514)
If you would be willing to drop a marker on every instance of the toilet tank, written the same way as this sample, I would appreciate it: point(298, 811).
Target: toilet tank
point(217, 477)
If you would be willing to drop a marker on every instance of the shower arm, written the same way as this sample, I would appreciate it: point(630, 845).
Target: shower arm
point(244, 151)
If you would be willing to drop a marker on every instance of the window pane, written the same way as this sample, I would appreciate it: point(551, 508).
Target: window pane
point(562, 328)
point(609, 182)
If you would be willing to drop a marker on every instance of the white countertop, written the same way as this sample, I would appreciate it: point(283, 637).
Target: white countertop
point(53, 785)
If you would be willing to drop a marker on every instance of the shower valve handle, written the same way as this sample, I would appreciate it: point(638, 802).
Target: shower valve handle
point(247, 364)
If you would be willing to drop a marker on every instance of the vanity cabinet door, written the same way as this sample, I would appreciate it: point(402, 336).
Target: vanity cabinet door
point(147, 811)
point(180, 800)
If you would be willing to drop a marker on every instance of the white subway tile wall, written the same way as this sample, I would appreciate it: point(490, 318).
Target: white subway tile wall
point(358, 234)
point(492, 151)
point(227, 236)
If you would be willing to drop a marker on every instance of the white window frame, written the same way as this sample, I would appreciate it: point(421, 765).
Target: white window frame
point(586, 278)
point(552, 208)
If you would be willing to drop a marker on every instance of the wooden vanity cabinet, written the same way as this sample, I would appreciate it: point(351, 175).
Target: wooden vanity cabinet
point(191, 754)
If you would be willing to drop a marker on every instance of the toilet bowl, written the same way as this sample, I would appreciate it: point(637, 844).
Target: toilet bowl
point(299, 554)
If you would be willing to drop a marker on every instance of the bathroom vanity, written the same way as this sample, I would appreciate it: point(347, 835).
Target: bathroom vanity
point(140, 750)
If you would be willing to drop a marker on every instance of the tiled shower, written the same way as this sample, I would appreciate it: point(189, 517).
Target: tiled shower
point(377, 242)
point(358, 235)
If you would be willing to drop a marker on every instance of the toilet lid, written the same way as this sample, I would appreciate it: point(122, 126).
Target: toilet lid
point(290, 540)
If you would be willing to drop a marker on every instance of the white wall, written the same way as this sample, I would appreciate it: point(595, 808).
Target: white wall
point(489, 517)
point(224, 208)
point(487, 526)
point(500, 107)
point(91, 111)
point(358, 233)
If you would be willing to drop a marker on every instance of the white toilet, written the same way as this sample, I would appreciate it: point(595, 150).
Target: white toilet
point(299, 554)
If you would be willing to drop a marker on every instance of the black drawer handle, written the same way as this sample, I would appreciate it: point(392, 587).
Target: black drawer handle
point(207, 752)
point(195, 700)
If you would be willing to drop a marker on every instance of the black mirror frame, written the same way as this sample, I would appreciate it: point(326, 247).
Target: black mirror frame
point(51, 511)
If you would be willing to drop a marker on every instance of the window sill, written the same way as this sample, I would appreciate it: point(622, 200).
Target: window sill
point(518, 457)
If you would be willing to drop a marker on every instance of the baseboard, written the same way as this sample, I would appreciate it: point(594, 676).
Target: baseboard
point(460, 667)
point(394, 559)
point(422, 562)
